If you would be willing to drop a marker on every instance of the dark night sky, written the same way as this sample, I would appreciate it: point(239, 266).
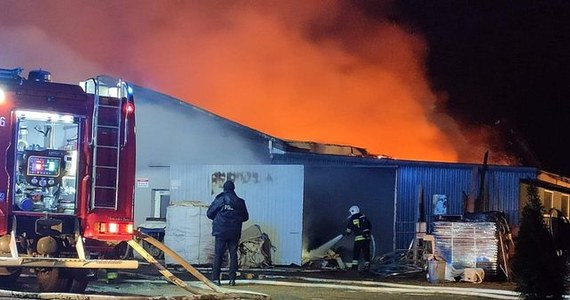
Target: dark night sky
point(503, 66)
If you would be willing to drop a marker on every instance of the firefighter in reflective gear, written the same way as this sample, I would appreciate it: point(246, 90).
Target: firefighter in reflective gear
point(359, 226)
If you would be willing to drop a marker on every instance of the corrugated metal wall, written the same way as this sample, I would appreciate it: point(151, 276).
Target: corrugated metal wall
point(454, 181)
point(427, 180)
point(273, 195)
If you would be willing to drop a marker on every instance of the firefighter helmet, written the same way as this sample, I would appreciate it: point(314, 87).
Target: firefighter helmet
point(354, 210)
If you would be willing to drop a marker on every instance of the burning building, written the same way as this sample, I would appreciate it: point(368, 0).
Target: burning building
point(300, 192)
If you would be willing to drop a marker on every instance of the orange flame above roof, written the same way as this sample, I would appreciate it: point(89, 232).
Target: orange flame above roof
point(313, 71)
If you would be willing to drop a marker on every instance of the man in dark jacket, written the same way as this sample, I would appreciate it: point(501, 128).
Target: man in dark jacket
point(228, 212)
point(359, 225)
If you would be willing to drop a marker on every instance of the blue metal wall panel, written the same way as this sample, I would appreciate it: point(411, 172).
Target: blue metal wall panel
point(427, 180)
point(456, 182)
point(504, 191)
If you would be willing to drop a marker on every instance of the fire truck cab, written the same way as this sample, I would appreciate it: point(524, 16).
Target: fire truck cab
point(67, 172)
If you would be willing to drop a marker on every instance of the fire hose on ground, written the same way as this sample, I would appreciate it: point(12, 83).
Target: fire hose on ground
point(383, 287)
point(222, 293)
point(188, 267)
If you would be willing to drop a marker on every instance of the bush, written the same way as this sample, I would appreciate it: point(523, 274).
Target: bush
point(538, 271)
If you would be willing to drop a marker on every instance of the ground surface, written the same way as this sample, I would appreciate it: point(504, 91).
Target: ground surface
point(299, 283)
point(285, 283)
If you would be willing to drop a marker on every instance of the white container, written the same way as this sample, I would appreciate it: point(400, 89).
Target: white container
point(188, 232)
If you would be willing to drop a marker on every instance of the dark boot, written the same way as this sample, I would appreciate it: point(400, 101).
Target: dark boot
point(354, 266)
point(232, 282)
point(365, 269)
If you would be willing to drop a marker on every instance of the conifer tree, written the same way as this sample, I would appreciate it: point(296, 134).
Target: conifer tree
point(538, 271)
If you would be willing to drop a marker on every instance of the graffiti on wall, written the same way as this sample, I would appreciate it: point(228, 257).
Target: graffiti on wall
point(239, 178)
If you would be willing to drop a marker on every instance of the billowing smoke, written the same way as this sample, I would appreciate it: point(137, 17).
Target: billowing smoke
point(303, 70)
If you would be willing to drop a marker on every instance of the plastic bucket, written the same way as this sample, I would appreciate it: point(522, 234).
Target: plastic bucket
point(436, 271)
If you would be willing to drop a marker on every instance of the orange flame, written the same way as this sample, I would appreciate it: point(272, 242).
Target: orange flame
point(317, 71)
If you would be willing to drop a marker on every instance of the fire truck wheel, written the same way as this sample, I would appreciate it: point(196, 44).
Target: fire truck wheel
point(9, 275)
point(52, 280)
point(79, 281)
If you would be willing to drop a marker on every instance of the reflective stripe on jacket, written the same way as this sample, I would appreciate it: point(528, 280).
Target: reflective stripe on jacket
point(359, 226)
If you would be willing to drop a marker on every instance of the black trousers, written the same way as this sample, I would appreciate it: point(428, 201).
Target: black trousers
point(362, 246)
point(219, 250)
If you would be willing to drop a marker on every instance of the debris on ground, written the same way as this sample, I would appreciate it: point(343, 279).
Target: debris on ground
point(255, 248)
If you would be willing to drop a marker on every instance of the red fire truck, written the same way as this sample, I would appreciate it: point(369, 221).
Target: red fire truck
point(67, 172)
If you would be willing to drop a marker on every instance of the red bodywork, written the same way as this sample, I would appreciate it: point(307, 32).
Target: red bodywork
point(88, 212)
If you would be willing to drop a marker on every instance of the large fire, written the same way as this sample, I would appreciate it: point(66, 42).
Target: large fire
point(316, 71)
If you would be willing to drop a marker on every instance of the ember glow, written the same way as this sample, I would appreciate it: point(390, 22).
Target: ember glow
point(318, 71)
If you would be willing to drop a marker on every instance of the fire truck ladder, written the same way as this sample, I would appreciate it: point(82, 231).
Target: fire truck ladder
point(106, 139)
